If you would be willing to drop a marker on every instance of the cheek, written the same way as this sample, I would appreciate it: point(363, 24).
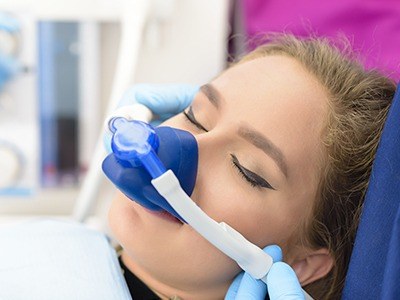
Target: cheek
point(262, 219)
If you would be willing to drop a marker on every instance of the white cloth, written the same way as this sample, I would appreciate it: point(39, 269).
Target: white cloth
point(49, 259)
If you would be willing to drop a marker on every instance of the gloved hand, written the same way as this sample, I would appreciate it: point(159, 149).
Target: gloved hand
point(282, 282)
point(164, 100)
point(8, 65)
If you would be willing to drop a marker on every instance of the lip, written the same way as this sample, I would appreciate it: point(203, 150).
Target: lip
point(164, 215)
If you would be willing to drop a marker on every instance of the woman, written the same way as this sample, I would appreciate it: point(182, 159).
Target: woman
point(286, 142)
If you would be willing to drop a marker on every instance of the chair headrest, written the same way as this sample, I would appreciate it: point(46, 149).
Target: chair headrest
point(375, 257)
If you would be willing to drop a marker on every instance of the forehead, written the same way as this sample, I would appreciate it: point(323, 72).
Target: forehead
point(272, 77)
point(278, 97)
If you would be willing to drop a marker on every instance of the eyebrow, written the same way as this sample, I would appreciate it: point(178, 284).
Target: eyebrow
point(212, 94)
point(263, 143)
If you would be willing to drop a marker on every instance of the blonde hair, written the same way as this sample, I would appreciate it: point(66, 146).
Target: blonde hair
point(359, 101)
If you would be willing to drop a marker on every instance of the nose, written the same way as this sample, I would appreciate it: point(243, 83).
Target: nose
point(212, 147)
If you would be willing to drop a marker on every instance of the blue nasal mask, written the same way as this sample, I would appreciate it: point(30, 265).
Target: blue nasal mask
point(141, 153)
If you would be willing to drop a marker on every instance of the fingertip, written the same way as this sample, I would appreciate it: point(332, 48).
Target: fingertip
point(233, 288)
point(282, 269)
point(281, 274)
point(189, 91)
point(251, 288)
point(141, 93)
point(128, 97)
point(194, 89)
point(274, 251)
point(282, 282)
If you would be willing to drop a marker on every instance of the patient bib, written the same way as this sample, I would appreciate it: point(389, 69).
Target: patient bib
point(48, 259)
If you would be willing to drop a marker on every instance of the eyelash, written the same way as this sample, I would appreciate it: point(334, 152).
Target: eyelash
point(261, 183)
point(235, 164)
point(193, 121)
point(252, 182)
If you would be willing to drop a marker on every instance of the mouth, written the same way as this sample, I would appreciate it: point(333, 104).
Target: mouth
point(164, 215)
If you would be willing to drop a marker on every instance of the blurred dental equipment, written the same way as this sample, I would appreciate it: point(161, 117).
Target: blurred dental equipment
point(11, 163)
point(170, 157)
point(9, 47)
point(18, 126)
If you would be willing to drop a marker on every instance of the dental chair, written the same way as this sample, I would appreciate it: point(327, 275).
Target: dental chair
point(374, 270)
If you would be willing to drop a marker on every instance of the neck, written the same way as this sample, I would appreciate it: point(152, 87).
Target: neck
point(166, 291)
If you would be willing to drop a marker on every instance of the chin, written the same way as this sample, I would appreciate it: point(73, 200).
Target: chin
point(167, 252)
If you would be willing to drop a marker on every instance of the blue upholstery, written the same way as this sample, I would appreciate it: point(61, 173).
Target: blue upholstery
point(374, 270)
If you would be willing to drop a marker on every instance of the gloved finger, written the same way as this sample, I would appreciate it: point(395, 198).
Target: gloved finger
point(251, 288)
point(283, 283)
point(234, 287)
point(167, 98)
point(164, 117)
point(8, 23)
point(275, 252)
point(244, 282)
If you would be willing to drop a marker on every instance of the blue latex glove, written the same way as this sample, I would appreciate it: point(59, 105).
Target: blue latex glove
point(8, 65)
point(282, 282)
point(164, 100)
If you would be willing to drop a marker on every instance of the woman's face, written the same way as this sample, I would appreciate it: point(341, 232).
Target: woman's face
point(258, 127)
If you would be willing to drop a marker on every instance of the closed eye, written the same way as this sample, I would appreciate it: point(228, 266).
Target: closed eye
point(192, 119)
point(252, 178)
